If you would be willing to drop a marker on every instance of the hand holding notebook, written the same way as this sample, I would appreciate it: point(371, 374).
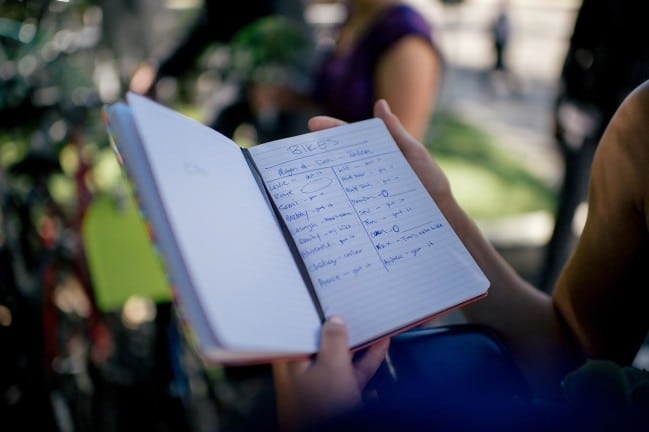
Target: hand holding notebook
point(262, 244)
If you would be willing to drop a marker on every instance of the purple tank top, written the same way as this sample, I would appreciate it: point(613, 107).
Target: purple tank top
point(344, 85)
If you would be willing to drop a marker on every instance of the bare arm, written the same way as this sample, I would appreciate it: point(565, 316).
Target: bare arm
point(408, 77)
point(598, 308)
point(523, 315)
point(604, 290)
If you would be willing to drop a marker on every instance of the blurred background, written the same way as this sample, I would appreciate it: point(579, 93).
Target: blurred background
point(88, 337)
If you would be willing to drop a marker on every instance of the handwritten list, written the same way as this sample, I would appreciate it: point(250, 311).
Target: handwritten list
point(362, 222)
point(376, 247)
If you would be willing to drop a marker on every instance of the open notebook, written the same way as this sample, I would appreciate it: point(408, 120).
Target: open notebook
point(262, 244)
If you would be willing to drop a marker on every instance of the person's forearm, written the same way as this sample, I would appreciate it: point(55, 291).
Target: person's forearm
point(521, 314)
point(524, 316)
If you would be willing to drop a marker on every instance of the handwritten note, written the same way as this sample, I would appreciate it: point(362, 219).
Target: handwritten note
point(349, 204)
point(364, 225)
point(376, 247)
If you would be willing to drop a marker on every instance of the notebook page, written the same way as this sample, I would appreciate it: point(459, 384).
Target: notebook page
point(219, 237)
point(377, 248)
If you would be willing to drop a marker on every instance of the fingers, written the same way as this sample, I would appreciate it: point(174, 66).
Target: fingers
point(366, 366)
point(323, 122)
point(382, 109)
point(405, 141)
point(143, 79)
point(334, 349)
point(334, 343)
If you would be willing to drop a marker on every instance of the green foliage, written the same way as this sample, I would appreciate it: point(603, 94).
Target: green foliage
point(266, 49)
point(488, 182)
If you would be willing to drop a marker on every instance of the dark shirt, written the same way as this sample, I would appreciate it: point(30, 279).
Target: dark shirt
point(608, 55)
point(344, 85)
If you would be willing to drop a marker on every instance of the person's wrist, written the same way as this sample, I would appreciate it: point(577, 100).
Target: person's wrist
point(451, 209)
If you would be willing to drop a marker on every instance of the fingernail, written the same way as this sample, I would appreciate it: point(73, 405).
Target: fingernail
point(337, 319)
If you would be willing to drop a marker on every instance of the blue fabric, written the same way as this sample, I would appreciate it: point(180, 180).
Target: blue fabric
point(453, 378)
point(449, 369)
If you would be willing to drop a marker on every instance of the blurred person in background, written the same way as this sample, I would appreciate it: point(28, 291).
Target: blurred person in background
point(607, 57)
point(273, 32)
point(501, 76)
point(383, 49)
point(500, 31)
point(217, 22)
point(380, 49)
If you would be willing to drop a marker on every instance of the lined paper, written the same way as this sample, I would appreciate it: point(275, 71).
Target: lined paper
point(222, 246)
point(377, 248)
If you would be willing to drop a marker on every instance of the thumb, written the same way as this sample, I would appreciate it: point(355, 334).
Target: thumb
point(334, 342)
point(402, 137)
point(323, 122)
